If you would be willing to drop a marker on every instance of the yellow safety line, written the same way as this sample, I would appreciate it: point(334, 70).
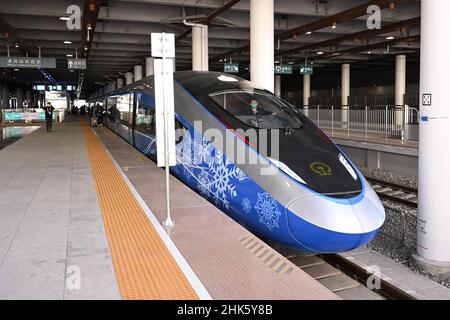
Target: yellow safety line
point(144, 267)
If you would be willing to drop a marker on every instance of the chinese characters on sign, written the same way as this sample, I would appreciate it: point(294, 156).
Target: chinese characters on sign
point(26, 62)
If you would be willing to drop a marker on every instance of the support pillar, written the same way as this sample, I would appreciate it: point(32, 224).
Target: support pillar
point(278, 86)
point(433, 236)
point(119, 83)
point(19, 94)
point(5, 97)
point(200, 53)
point(400, 89)
point(1, 96)
point(137, 73)
point(29, 96)
point(129, 78)
point(345, 90)
point(262, 43)
point(149, 66)
point(306, 93)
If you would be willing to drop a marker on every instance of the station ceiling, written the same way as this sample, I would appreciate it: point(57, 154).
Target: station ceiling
point(120, 35)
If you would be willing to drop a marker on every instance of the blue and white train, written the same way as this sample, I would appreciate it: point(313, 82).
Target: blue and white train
point(309, 197)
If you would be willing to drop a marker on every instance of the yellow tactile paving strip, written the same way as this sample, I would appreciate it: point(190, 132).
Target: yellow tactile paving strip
point(144, 267)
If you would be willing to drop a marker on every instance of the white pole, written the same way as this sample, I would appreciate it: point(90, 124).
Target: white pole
point(400, 88)
point(345, 89)
point(306, 93)
point(262, 43)
point(168, 222)
point(433, 226)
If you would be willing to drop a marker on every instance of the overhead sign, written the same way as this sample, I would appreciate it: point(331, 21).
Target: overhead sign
point(308, 70)
point(283, 69)
point(26, 62)
point(76, 63)
point(163, 45)
point(231, 68)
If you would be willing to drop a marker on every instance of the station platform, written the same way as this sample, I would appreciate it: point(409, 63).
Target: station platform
point(376, 151)
point(80, 212)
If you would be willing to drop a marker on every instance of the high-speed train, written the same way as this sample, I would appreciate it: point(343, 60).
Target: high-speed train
point(294, 186)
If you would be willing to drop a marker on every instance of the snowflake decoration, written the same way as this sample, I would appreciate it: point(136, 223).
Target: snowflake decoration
point(216, 175)
point(204, 183)
point(246, 205)
point(268, 212)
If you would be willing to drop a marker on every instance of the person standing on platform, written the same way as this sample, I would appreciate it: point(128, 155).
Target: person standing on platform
point(49, 116)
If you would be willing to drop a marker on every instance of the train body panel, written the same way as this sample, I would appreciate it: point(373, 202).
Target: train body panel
point(280, 206)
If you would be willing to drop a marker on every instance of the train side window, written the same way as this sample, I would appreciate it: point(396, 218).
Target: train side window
point(145, 119)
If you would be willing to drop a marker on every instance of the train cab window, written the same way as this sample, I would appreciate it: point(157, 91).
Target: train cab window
point(257, 109)
point(145, 119)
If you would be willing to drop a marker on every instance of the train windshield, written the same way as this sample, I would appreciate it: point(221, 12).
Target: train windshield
point(257, 108)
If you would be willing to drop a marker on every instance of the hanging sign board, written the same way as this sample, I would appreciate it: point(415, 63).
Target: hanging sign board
point(25, 62)
point(231, 68)
point(283, 69)
point(308, 70)
point(76, 64)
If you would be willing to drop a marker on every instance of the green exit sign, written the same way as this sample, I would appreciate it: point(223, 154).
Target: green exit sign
point(283, 69)
point(308, 70)
point(231, 68)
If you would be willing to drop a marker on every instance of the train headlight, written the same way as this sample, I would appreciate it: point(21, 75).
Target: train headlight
point(287, 170)
point(348, 167)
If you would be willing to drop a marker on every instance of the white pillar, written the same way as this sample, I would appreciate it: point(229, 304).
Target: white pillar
point(306, 93)
point(262, 43)
point(137, 73)
point(149, 66)
point(278, 86)
point(129, 78)
point(400, 88)
point(119, 83)
point(200, 52)
point(19, 98)
point(345, 90)
point(433, 226)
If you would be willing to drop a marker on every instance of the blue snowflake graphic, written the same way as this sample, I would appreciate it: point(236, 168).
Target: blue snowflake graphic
point(217, 176)
point(246, 205)
point(268, 212)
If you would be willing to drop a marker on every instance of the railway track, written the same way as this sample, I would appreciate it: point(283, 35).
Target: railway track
point(345, 278)
point(395, 192)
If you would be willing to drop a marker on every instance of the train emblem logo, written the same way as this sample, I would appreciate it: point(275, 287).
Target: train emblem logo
point(321, 169)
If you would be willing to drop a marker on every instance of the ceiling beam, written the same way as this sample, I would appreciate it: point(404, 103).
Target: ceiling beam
point(354, 36)
point(208, 19)
point(364, 48)
point(340, 17)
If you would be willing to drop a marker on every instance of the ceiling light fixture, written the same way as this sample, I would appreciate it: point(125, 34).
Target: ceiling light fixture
point(334, 25)
point(17, 45)
point(67, 42)
point(64, 18)
point(69, 55)
point(320, 53)
point(308, 32)
point(390, 38)
point(16, 69)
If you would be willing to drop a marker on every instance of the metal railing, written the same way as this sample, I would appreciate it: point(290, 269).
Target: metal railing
point(388, 120)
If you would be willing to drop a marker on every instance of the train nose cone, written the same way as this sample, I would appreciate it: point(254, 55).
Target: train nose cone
point(324, 225)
